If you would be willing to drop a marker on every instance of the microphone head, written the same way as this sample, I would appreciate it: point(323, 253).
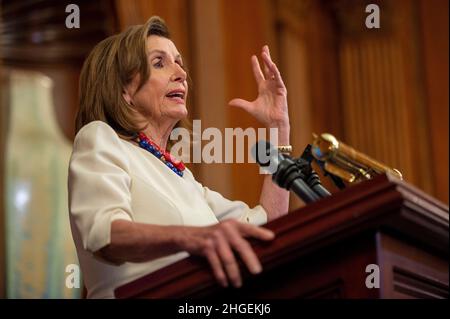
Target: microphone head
point(266, 156)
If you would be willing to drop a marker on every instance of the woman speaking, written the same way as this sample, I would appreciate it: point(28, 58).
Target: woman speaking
point(134, 208)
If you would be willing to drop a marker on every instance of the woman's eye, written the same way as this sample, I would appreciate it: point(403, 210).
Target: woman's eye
point(158, 64)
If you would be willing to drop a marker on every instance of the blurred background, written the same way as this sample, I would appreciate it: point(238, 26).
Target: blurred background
point(383, 91)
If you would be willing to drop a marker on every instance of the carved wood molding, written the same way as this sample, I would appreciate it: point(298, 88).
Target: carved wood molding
point(34, 32)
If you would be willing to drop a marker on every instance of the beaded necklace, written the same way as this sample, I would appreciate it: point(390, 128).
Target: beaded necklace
point(175, 165)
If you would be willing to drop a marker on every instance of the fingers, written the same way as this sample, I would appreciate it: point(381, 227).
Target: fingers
point(233, 232)
point(266, 49)
point(276, 73)
point(243, 104)
point(246, 105)
point(261, 233)
point(223, 240)
point(272, 69)
point(229, 261)
point(218, 250)
point(267, 72)
point(245, 251)
point(259, 77)
point(216, 264)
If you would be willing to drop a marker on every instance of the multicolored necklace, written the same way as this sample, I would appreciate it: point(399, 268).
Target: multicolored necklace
point(165, 157)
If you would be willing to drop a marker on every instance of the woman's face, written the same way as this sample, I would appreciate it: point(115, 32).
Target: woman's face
point(163, 96)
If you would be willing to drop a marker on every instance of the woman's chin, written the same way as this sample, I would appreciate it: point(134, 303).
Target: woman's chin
point(180, 112)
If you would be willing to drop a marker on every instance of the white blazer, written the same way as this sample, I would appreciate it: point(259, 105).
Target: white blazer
point(111, 178)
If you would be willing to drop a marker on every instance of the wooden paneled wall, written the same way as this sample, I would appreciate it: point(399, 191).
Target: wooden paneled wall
point(307, 43)
point(433, 17)
point(382, 93)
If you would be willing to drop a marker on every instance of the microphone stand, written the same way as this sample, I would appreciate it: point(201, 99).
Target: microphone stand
point(308, 157)
point(287, 174)
point(296, 174)
point(309, 175)
point(289, 177)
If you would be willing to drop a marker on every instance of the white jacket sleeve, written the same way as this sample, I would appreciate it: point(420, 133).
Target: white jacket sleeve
point(99, 184)
point(224, 208)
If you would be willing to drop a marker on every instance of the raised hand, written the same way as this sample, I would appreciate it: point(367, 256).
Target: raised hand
point(270, 106)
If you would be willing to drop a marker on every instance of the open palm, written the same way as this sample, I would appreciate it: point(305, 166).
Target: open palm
point(270, 106)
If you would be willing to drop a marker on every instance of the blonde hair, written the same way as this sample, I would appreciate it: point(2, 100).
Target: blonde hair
point(110, 66)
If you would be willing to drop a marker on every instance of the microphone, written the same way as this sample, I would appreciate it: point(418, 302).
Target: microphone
point(308, 173)
point(284, 170)
point(345, 162)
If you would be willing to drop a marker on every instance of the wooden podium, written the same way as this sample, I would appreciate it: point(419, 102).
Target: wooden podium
point(323, 249)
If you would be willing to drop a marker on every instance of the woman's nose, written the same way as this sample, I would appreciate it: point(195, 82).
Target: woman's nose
point(179, 74)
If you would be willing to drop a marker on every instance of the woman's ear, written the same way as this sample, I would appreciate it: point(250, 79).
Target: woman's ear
point(127, 96)
point(130, 89)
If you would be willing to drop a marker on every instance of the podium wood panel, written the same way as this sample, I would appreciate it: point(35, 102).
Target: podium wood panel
point(322, 250)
